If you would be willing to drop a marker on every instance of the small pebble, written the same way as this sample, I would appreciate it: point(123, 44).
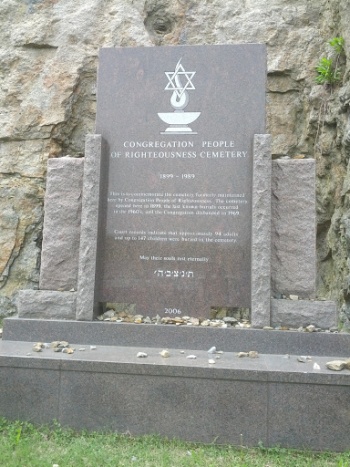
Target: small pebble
point(182, 351)
point(93, 347)
point(214, 324)
point(164, 353)
point(68, 350)
point(82, 349)
point(191, 357)
point(310, 328)
point(63, 344)
point(253, 354)
point(316, 366)
point(141, 355)
point(229, 320)
point(242, 354)
point(212, 350)
point(293, 297)
point(303, 359)
point(211, 361)
point(338, 365)
point(37, 347)
point(108, 314)
point(194, 321)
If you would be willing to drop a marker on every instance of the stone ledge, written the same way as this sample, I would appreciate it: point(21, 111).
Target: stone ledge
point(296, 313)
point(179, 337)
point(270, 399)
point(46, 304)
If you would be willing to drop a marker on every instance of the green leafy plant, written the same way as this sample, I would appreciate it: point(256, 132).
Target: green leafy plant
point(327, 68)
point(338, 44)
point(327, 74)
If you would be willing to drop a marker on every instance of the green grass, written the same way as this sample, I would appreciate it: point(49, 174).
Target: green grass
point(22, 444)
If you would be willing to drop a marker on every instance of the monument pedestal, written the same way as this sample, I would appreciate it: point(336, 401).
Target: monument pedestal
point(273, 399)
point(78, 279)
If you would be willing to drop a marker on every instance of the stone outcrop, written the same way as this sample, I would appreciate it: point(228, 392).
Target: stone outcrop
point(49, 58)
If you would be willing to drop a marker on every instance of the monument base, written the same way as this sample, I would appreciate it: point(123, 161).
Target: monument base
point(239, 401)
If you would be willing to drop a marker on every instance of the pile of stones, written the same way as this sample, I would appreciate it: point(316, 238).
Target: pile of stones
point(56, 346)
point(124, 317)
point(223, 322)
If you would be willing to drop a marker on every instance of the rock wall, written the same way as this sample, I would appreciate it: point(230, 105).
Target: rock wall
point(48, 60)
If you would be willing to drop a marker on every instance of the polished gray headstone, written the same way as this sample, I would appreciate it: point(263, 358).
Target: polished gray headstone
point(176, 235)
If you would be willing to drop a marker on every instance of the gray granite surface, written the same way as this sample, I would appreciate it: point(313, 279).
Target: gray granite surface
point(180, 337)
point(296, 313)
point(89, 229)
point(270, 399)
point(61, 232)
point(309, 416)
point(293, 259)
point(115, 359)
point(261, 232)
point(46, 304)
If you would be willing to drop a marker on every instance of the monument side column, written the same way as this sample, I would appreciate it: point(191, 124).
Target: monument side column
point(86, 306)
point(261, 232)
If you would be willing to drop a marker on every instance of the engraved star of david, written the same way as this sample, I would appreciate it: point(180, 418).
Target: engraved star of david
point(175, 83)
